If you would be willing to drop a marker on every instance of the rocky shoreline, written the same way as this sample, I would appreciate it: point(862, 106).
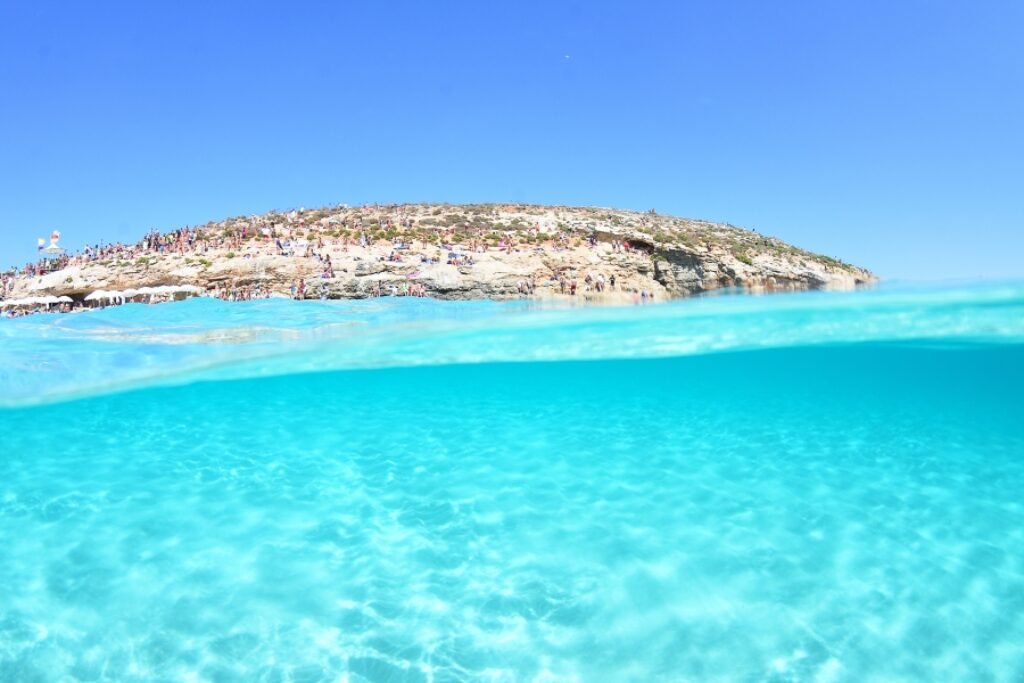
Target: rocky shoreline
point(453, 252)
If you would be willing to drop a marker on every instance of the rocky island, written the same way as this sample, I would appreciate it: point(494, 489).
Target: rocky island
point(446, 251)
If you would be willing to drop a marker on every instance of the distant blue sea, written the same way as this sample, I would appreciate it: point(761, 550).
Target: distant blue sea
point(812, 487)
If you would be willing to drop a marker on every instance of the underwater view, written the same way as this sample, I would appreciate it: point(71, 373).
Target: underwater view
point(805, 487)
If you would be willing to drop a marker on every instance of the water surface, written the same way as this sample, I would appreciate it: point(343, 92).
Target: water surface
point(821, 487)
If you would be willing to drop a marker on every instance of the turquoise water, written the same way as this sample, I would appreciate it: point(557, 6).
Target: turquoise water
point(787, 488)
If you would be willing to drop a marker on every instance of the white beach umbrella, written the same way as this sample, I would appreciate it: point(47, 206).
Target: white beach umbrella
point(65, 300)
point(96, 296)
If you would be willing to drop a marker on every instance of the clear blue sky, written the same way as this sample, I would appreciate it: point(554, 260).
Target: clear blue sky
point(890, 134)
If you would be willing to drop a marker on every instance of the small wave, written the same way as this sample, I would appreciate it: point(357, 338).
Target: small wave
point(50, 357)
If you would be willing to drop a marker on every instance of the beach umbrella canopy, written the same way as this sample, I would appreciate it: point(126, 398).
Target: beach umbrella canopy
point(65, 300)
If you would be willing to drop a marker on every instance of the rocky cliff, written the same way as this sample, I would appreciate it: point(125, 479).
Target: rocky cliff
point(496, 249)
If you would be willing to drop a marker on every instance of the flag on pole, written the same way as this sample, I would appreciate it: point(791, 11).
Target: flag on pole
point(41, 243)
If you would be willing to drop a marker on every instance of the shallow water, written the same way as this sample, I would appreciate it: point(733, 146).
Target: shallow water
point(783, 488)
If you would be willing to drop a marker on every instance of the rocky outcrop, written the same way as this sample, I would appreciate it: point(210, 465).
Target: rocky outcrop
point(683, 272)
point(509, 245)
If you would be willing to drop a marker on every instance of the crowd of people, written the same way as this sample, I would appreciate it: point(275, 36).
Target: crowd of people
point(237, 292)
point(449, 245)
point(415, 289)
point(182, 241)
point(21, 312)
